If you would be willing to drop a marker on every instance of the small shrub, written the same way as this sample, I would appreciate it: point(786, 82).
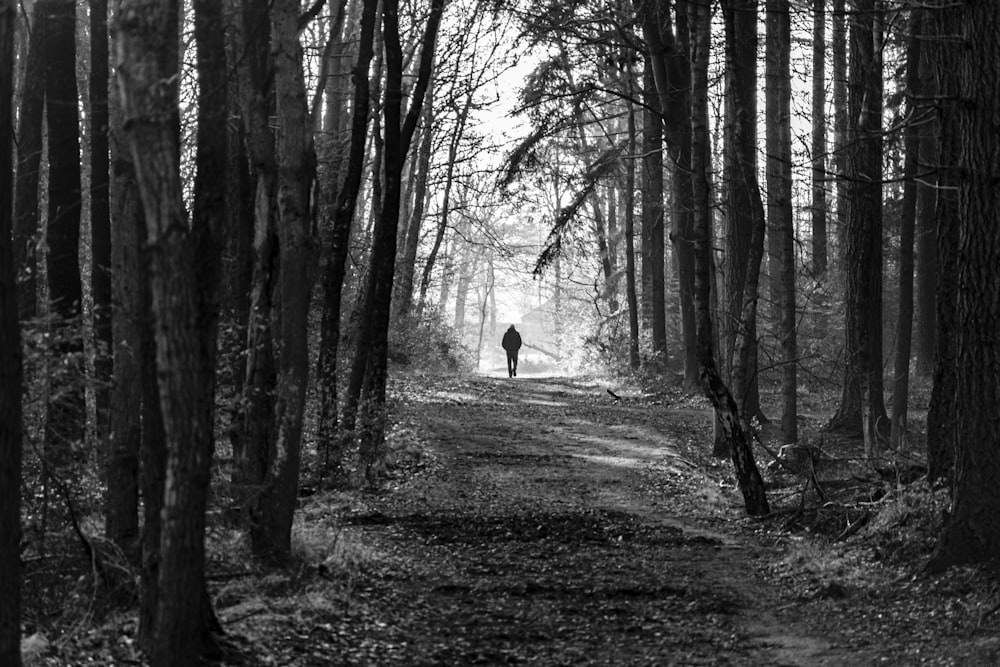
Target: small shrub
point(907, 526)
point(428, 342)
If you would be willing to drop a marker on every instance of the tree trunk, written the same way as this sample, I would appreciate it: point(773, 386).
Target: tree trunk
point(838, 46)
point(31, 115)
point(184, 275)
point(251, 430)
point(926, 223)
point(818, 212)
point(904, 325)
point(972, 531)
point(237, 265)
point(726, 409)
point(271, 534)
point(654, 305)
point(126, 398)
point(628, 198)
point(862, 408)
point(10, 367)
point(678, 137)
point(941, 413)
point(449, 184)
point(744, 209)
point(373, 331)
point(603, 253)
point(333, 278)
point(66, 418)
point(779, 203)
point(407, 263)
point(100, 211)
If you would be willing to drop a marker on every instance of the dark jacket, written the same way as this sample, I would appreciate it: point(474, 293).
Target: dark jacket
point(511, 340)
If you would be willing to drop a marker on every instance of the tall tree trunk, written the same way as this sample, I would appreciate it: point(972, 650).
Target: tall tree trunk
point(744, 208)
point(838, 46)
point(603, 254)
point(862, 407)
point(779, 202)
point(926, 223)
point(10, 367)
point(126, 398)
point(818, 146)
point(449, 184)
point(677, 115)
point(31, 115)
point(100, 211)
point(237, 265)
point(184, 276)
point(271, 534)
point(972, 530)
point(408, 261)
point(654, 304)
point(628, 197)
point(251, 430)
point(726, 409)
point(941, 413)
point(66, 418)
point(333, 277)
point(904, 325)
point(613, 235)
point(371, 364)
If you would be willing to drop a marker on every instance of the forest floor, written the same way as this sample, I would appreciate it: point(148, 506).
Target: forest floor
point(541, 520)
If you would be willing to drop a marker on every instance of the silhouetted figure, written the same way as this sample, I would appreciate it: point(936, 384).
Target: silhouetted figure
point(512, 343)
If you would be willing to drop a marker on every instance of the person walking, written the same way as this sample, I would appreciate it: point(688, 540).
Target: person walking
point(511, 343)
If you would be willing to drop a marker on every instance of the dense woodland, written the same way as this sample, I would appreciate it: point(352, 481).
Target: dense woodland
point(226, 223)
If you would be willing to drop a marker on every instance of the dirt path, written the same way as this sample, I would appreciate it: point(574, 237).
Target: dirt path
point(555, 527)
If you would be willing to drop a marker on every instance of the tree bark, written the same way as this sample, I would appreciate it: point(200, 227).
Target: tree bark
point(904, 325)
point(10, 367)
point(726, 409)
point(184, 276)
point(744, 208)
point(126, 397)
point(862, 408)
point(838, 46)
point(972, 531)
point(271, 535)
point(677, 116)
point(31, 112)
point(66, 418)
point(925, 331)
point(628, 197)
point(100, 210)
point(779, 202)
point(941, 413)
point(251, 430)
point(654, 304)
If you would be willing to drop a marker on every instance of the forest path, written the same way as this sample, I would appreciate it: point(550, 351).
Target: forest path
point(557, 526)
